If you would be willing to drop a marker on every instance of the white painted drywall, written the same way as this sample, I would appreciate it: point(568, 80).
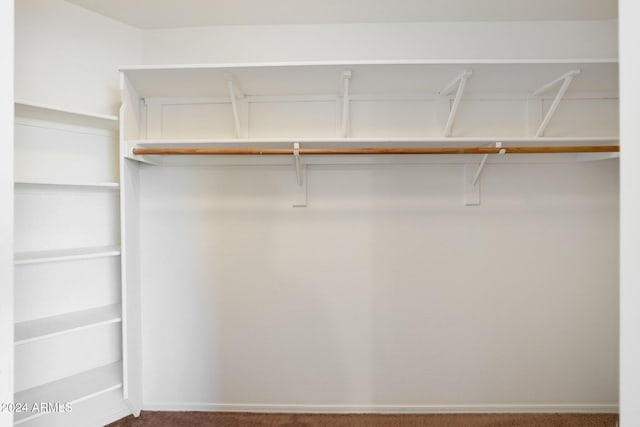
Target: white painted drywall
point(68, 57)
point(349, 42)
point(385, 293)
point(148, 14)
point(630, 212)
point(6, 210)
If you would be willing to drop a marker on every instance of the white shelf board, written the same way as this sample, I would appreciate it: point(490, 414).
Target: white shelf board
point(42, 183)
point(370, 142)
point(52, 109)
point(374, 62)
point(65, 254)
point(74, 389)
point(65, 115)
point(33, 330)
point(368, 78)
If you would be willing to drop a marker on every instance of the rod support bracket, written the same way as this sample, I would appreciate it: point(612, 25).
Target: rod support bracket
point(300, 195)
point(472, 185)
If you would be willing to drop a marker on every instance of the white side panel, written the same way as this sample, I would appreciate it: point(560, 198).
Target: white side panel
point(51, 359)
point(6, 208)
point(130, 251)
point(131, 294)
point(630, 212)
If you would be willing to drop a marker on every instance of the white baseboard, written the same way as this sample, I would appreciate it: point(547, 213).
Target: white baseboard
point(114, 416)
point(380, 409)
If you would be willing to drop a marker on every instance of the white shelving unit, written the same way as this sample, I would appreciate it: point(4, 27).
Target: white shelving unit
point(67, 209)
point(249, 103)
point(415, 104)
point(396, 103)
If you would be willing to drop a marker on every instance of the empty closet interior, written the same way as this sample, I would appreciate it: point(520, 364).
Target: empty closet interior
point(259, 218)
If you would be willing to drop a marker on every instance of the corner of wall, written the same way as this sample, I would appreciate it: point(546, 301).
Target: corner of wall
point(68, 57)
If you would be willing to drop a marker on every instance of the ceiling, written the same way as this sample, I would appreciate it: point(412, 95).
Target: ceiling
point(157, 14)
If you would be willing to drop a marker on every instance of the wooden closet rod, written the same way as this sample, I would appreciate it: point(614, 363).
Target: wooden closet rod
point(384, 150)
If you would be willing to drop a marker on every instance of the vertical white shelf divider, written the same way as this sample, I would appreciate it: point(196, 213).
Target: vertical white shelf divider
point(130, 248)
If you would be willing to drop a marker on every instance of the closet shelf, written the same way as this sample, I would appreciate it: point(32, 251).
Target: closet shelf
point(165, 107)
point(52, 184)
point(47, 327)
point(65, 254)
point(64, 115)
point(376, 77)
point(368, 142)
point(74, 389)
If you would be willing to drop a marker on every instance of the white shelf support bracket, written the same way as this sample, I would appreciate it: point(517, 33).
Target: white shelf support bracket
point(234, 94)
point(300, 198)
point(566, 80)
point(461, 81)
point(344, 128)
point(472, 185)
point(128, 154)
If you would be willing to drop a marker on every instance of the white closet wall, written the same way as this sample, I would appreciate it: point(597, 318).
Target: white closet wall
point(383, 41)
point(385, 293)
point(68, 57)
